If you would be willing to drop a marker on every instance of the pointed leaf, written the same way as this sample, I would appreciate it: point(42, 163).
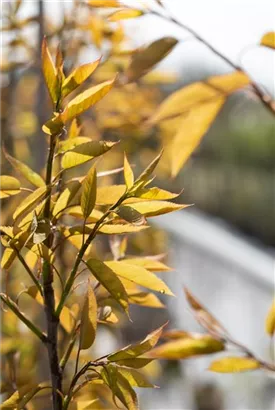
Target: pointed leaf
point(124, 14)
point(30, 202)
point(155, 208)
point(88, 323)
point(128, 173)
point(85, 152)
point(228, 83)
point(71, 143)
point(77, 77)
point(148, 263)
point(191, 130)
point(9, 186)
point(144, 176)
point(234, 365)
point(66, 197)
point(109, 194)
point(86, 100)
point(144, 59)
point(268, 40)
point(26, 171)
point(109, 280)
point(104, 3)
point(88, 195)
point(50, 73)
point(134, 377)
point(139, 275)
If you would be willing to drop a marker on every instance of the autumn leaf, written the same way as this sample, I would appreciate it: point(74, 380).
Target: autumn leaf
point(270, 320)
point(86, 100)
point(88, 324)
point(155, 208)
point(125, 14)
point(146, 58)
point(78, 76)
point(50, 73)
point(25, 171)
point(104, 3)
point(187, 347)
point(268, 40)
point(191, 130)
point(88, 196)
point(144, 176)
point(9, 186)
point(7, 258)
point(128, 173)
point(131, 215)
point(85, 152)
point(30, 202)
point(234, 365)
point(134, 377)
point(71, 143)
point(66, 197)
point(109, 280)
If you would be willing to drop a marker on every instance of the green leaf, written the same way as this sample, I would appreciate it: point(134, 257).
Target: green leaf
point(26, 171)
point(109, 280)
point(234, 365)
point(88, 323)
point(78, 76)
point(268, 40)
point(50, 73)
point(85, 152)
point(86, 100)
point(9, 186)
point(30, 202)
point(144, 59)
point(187, 347)
point(270, 320)
point(145, 175)
point(129, 214)
point(128, 173)
point(134, 377)
point(135, 363)
point(137, 349)
point(66, 197)
point(139, 275)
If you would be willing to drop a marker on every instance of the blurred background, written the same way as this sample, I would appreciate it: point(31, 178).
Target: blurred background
point(223, 247)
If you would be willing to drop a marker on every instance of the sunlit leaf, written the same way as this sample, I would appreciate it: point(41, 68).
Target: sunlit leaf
point(268, 39)
point(86, 100)
point(104, 3)
point(109, 194)
point(154, 194)
point(88, 196)
point(88, 320)
point(135, 362)
point(78, 76)
point(85, 152)
point(145, 299)
point(155, 208)
point(109, 280)
point(234, 365)
point(137, 349)
point(145, 175)
point(144, 59)
point(26, 171)
point(66, 197)
point(229, 83)
point(74, 130)
point(124, 14)
point(134, 377)
point(8, 256)
point(9, 186)
point(148, 263)
point(139, 275)
point(191, 130)
point(128, 173)
point(71, 143)
point(187, 347)
point(50, 73)
point(30, 202)
point(270, 320)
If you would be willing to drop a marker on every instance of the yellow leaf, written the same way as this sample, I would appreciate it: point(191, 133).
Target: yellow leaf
point(129, 214)
point(124, 14)
point(268, 39)
point(30, 202)
point(148, 263)
point(145, 299)
point(134, 377)
point(144, 176)
point(144, 59)
point(88, 324)
point(71, 143)
point(117, 229)
point(228, 83)
point(50, 73)
point(110, 194)
point(26, 171)
point(270, 320)
point(7, 258)
point(191, 130)
point(77, 77)
point(76, 211)
point(66, 197)
point(139, 275)
point(156, 208)
point(109, 280)
point(128, 173)
point(85, 152)
point(153, 194)
point(104, 3)
point(137, 349)
point(9, 186)
point(86, 100)
point(88, 196)
point(74, 130)
point(234, 365)
point(187, 347)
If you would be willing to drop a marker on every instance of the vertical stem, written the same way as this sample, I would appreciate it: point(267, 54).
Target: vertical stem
point(49, 299)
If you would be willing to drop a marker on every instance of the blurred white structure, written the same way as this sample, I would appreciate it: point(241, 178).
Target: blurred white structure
point(234, 279)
